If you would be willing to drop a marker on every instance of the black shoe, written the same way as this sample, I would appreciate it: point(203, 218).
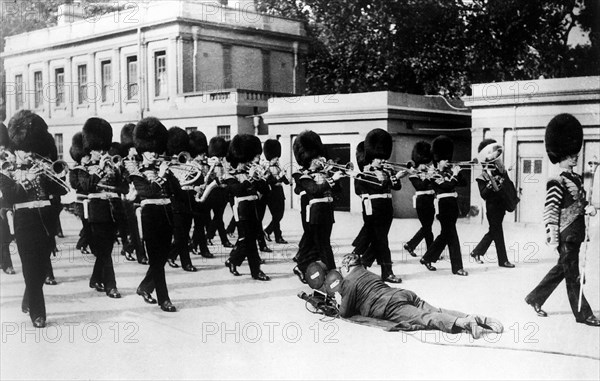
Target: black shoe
point(261, 276)
point(167, 306)
point(147, 297)
point(262, 261)
point(98, 286)
point(9, 270)
point(507, 264)
point(265, 249)
point(206, 254)
point(172, 263)
point(591, 321)
point(24, 309)
point(537, 308)
point(84, 250)
point(39, 322)
point(190, 268)
point(477, 258)
point(232, 268)
point(60, 235)
point(281, 241)
point(299, 274)
point(428, 265)
point(144, 261)
point(268, 237)
point(460, 272)
point(410, 250)
point(391, 278)
point(128, 255)
point(209, 242)
point(114, 293)
point(227, 244)
point(50, 281)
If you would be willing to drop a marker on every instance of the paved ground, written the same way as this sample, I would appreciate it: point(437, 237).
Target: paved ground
point(238, 328)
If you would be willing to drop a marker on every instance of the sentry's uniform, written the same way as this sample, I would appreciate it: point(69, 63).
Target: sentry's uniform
point(423, 203)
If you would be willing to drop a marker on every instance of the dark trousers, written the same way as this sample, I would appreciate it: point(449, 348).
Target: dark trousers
point(245, 247)
point(5, 260)
point(84, 235)
point(182, 223)
point(35, 254)
point(305, 255)
point(135, 240)
point(261, 208)
point(102, 240)
point(319, 242)
point(201, 220)
point(377, 229)
point(426, 215)
point(217, 225)
point(413, 313)
point(157, 225)
point(276, 204)
point(567, 268)
point(496, 234)
point(448, 214)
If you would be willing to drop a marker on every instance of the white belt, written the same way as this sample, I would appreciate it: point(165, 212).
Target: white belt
point(155, 201)
point(440, 196)
point(421, 193)
point(32, 204)
point(187, 188)
point(103, 195)
point(366, 201)
point(316, 201)
point(236, 204)
point(10, 219)
point(303, 193)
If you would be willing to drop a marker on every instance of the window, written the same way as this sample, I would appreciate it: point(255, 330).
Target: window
point(132, 78)
point(58, 140)
point(537, 166)
point(160, 74)
point(81, 84)
point(190, 129)
point(38, 89)
point(59, 78)
point(224, 132)
point(18, 91)
point(106, 78)
point(526, 166)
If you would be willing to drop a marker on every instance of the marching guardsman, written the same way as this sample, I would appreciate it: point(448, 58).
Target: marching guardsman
point(183, 203)
point(564, 217)
point(303, 253)
point(218, 198)
point(7, 161)
point(361, 242)
point(27, 189)
point(155, 184)
point(424, 196)
point(199, 148)
point(244, 183)
point(319, 186)
point(131, 200)
point(103, 183)
point(378, 208)
point(276, 179)
point(444, 185)
point(81, 159)
point(493, 177)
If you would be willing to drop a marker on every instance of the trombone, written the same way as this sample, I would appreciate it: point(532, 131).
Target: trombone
point(348, 171)
point(54, 170)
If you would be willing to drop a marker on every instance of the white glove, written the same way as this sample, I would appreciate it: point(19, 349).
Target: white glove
point(590, 210)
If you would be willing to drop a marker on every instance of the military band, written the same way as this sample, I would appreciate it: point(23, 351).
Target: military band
point(164, 194)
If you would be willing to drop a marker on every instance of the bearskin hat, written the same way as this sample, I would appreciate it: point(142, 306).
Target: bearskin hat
point(177, 141)
point(97, 135)
point(307, 147)
point(421, 153)
point(484, 143)
point(150, 135)
point(564, 137)
point(27, 132)
point(115, 149)
point(360, 155)
point(4, 141)
point(51, 149)
point(127, 136)
point(198, 145)
point(272, 149)
point(243, 148)
point(442, 148)
point(77, 152)
point(378, 145)
point(218, 147)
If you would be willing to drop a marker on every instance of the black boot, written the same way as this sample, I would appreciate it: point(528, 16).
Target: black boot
point(387, 274)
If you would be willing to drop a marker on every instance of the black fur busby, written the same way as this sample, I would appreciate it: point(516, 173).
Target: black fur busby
point(272, 149)
point(484, 143)
point(27, 132)
point(127, 136)
point(198, 145)
point(218, 147)
point(243, 148)
point(77, 152)
point(4, 141)
point(564, 137)
point(177, 141)
point(307, 147)
point(150, 135)
point(97, 135)
point(51, 151)
point(421, 153)
point(360, 155)
point(442, 148)
point(378, 145)
point(115, 149)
